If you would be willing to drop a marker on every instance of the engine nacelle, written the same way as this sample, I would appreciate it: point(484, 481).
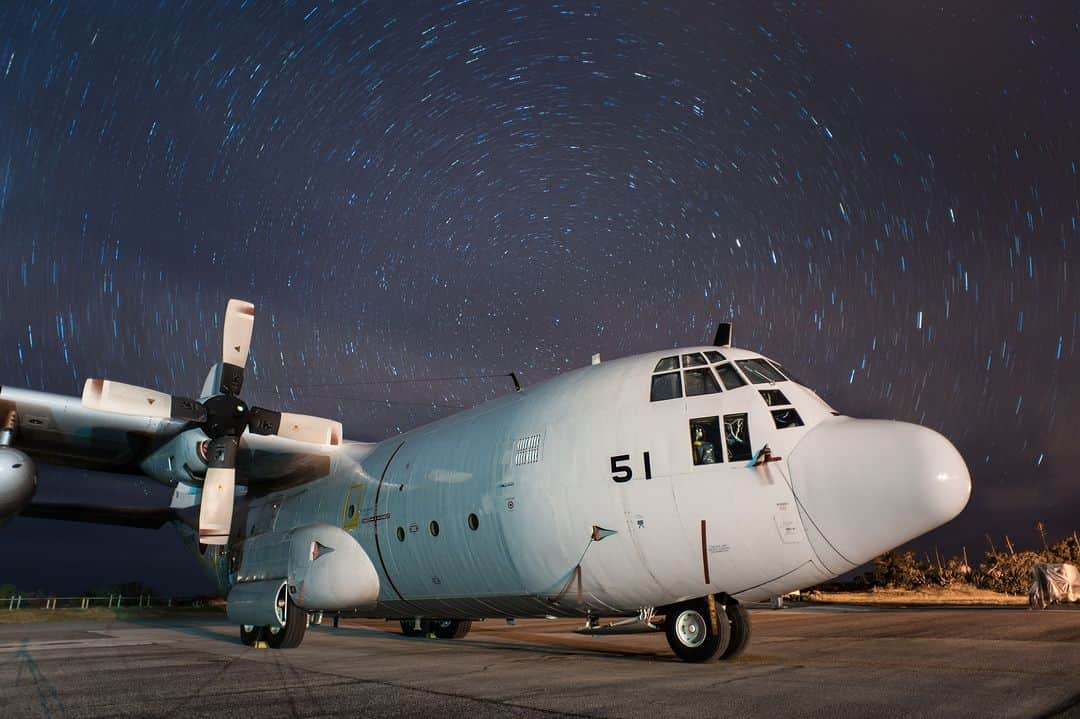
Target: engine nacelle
point(18, 480)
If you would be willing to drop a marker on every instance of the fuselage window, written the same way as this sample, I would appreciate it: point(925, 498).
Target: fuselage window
point(774, 397)
point(693, 360)
point(667, 364)
point(705, 440)
point(737, 437)
point(730, 376)
point(700, 381)
point(785, 418)
point(715, 356)
point(665, 386)
point(759, 371)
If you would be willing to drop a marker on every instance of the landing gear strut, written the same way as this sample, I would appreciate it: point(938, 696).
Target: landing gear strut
point(707, 628)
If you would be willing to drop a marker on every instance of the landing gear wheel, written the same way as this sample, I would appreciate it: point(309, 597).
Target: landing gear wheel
point(690, 634)
point(408, 628)
point(249, 634)
point(740, 629)
point(451, 628)
point(290, 635)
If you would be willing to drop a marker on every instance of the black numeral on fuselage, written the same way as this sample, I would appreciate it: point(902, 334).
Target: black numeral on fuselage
point(623, 472)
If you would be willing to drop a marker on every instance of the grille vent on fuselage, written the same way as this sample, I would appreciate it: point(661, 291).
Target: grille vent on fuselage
point(527, 449)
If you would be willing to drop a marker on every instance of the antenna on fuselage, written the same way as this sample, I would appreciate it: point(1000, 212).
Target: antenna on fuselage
point(724, 332)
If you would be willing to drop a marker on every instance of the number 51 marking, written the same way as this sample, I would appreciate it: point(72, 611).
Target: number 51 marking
point(623, 472)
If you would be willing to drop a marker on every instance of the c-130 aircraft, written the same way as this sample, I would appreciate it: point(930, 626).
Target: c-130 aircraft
point(667, 488)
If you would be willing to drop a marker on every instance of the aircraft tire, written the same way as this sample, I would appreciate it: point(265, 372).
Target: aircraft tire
point(249, 634)
point(408, 628)
point(689, 632)
point(741, 629)
point(290, 635)
point(452, 628)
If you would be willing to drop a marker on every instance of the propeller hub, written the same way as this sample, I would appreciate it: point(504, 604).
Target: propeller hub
point(225, 416)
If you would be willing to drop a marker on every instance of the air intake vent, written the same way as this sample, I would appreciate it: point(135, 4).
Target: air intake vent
point(527, 449)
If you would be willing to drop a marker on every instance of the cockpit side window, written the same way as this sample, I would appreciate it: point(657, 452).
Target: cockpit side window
point(699, 381)
point(665, 386)
point(737, 437)
point(667, 364)
point(705, 440)
point(759, 371)
point(788, 417)
point(774, 397)
point(729, 376)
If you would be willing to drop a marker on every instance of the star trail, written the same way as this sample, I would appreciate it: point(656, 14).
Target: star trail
point(883, 197)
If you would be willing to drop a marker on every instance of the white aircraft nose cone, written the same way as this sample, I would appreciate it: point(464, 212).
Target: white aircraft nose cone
point(871, 485)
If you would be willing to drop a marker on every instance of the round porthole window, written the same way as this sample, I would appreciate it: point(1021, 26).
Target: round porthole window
point(400, 534)
point(351, 511)
point(474, 522)
point(434, 528)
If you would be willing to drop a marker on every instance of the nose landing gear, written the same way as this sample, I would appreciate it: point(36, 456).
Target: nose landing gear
point(707, 628)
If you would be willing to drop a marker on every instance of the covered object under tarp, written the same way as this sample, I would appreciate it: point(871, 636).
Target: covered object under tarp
point(1053, 583)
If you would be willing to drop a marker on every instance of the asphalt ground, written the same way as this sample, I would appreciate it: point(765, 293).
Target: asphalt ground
point(802, 662)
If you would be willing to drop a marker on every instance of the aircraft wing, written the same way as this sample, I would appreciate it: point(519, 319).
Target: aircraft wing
point(141, 517)
point(57, 429)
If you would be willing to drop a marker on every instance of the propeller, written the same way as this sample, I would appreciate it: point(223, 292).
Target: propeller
point(223, 416)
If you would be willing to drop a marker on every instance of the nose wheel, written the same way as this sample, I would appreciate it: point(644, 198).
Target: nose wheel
point(707, 628)
point(697, 630)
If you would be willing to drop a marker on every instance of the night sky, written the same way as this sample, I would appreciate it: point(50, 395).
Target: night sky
point(883, 196)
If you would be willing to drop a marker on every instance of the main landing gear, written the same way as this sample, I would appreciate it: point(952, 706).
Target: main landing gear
point(441, 628)
point(287, 637)
point(707, 628)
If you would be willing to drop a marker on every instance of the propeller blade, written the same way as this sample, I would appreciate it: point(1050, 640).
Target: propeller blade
point(300, 427)
point(216, 506)
point(236, 341)
point(109, 396)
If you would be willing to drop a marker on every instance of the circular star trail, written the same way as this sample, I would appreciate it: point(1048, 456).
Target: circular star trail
point(883, 198)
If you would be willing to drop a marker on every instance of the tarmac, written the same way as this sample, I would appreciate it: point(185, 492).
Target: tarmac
point(816, 661)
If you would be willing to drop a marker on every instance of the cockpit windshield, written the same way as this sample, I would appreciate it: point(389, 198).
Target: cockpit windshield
point(759, 371)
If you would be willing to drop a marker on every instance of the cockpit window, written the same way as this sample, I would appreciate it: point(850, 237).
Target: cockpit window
point(699, 381)
point(715, 356)
point(759, 371)
point(667, 364)
point(737, 437)
point(705, 440)
point(729, 376)
point(784, 371)
point(693, 360)
point(784, 418)
point(665, 386)
point(774, 397)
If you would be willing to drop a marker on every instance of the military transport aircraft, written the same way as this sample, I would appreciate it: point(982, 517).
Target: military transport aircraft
point(666, 489)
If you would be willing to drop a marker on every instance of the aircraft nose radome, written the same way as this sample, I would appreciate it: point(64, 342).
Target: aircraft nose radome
point(871, 485)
